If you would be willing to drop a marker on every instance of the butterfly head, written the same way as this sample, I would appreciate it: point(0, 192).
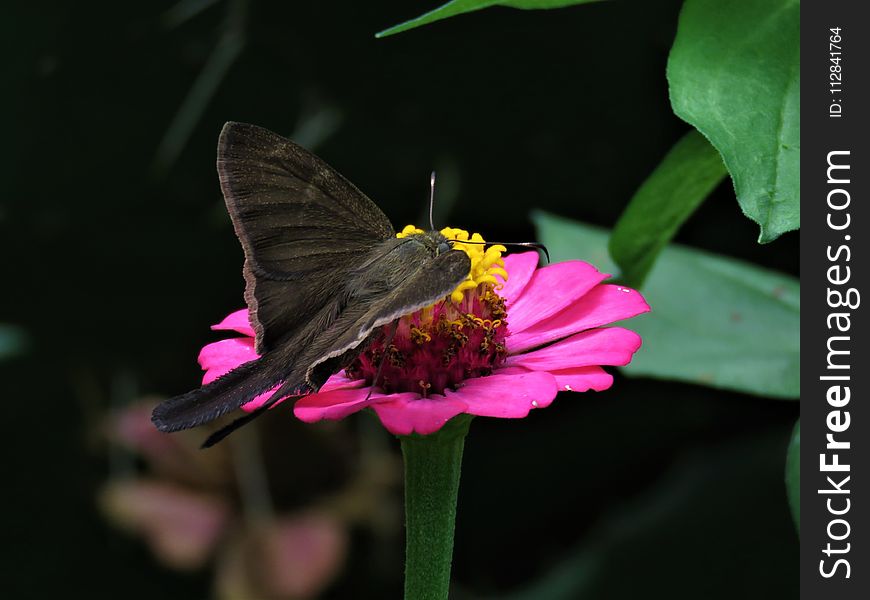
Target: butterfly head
point(486, 261)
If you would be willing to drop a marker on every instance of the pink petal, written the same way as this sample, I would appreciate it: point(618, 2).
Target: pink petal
point(579, 379)
point(403, 414)
point(608, 346)
point(508, 396)
point(224, 356)
point(340, 380)
point(334, 404)
point(603, 304)
point(335, 382)
point(550, 290)
point(236, 321)
point(520, 268)
point(259, 400)
point(583, 379)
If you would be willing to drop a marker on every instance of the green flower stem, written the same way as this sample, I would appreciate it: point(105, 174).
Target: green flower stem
point(432, 467)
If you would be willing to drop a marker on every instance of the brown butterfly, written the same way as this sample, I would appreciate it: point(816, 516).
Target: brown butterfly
point(324, 271)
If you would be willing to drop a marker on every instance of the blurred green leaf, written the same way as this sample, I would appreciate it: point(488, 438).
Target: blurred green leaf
point(683, 179)
point(715, 321)
point(185, 10)
point(734, 73)
point(224, 55)
point(793, 475)
point(457, 7)
point(13, 341)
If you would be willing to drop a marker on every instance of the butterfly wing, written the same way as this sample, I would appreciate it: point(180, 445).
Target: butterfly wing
point(411, 286)
point(422, 287)
point(300, 223)
point(409, 281)
point(323, 271)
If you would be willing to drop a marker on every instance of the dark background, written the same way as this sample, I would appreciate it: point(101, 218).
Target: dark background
point(118, 255)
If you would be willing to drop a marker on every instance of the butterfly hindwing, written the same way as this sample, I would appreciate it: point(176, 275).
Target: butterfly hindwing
point(421, 284)
point(412, 286)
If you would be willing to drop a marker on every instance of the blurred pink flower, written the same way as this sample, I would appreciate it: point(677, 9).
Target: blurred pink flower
point(498, 353)
point(181, 526)
point(291, 557)
point(193, 513)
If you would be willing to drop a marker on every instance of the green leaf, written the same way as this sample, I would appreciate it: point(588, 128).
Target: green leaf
point(793, 475)
point(715, 321)
point(458, 7)
point(734, 73)
point(685, 177)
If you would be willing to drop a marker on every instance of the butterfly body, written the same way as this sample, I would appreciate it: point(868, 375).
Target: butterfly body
point(324, 271)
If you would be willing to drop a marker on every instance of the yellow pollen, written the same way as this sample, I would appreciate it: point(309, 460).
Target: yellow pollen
point(419, 336)
point(486, 262)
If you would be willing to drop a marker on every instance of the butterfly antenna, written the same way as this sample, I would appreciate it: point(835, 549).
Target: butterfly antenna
point(431, 199)
point(535, 245)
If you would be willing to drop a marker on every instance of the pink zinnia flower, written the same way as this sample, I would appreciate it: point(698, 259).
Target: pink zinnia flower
point(507, 341)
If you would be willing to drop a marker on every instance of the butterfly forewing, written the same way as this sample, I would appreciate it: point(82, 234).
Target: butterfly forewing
point(300, 223)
